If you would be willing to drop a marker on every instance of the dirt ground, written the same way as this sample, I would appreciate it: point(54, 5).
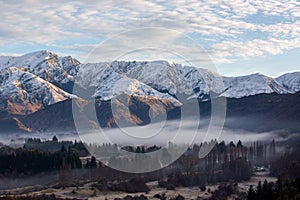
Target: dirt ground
point(86, 192)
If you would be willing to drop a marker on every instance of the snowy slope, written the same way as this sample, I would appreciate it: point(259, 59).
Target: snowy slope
point(23, 92)
point(89, 74)
point(237, 87)
point(290, 81)
point(166, 77)
point(46, 65)
point(133, 78)
point(161, 75)
point(202, 81)
point(111, 84)
point(4, 60)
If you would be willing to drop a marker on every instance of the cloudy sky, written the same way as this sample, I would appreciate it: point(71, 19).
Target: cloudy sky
point(240, 36)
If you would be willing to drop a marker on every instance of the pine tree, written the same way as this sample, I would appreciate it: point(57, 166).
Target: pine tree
point(251, 193)
point(239, 144)
point(258, 192)
point(54, 139)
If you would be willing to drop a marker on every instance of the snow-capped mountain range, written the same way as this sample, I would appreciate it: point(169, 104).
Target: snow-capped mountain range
point(39, 79)
point(25, 92)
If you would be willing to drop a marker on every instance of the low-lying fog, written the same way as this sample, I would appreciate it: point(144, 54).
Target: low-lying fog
point(185, 132)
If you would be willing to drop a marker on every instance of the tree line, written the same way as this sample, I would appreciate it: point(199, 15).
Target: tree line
point(32, 161)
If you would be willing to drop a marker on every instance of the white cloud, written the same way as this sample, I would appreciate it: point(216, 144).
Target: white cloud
point(283, 8)
point(252, 48)
point(37, 22)
point(149, 44)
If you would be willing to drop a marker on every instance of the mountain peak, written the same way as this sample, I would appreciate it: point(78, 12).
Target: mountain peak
point(291, 81)
point(40, 52)
point(23, 92)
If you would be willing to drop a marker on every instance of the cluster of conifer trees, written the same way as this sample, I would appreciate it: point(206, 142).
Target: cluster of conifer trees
point(278, 190)
point(30, 161)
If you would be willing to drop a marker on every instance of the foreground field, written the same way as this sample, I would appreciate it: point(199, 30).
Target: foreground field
point(89, 192)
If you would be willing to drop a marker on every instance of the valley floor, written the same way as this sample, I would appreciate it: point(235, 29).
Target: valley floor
point(88, 192)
